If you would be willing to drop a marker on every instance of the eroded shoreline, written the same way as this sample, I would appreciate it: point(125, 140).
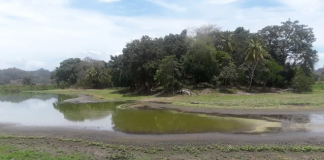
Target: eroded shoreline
point(171, 139)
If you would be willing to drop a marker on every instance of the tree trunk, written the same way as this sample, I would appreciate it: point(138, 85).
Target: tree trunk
point(265, 83)
point(173, 82)
point(252, 75)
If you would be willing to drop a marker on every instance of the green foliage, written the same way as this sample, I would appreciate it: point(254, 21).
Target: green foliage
point(9, 152)
point(28, 81)
point(67, 71)
point(203, 62)
point(291, 45)
point(228, 74)
point(98, 78)
point(199, 56)
point(228, 43)
point(269, 72)
point(22, 88)
point(63, 84)
point(255, 54)
point(86, 73)
point(140, 61)
point(168, 73)
point(301, 82)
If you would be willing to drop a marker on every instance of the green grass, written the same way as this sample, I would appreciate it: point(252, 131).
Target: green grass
point(105, 94)
point(216, 99)
point(9, 152)
point(22, 88)
point(10, 148)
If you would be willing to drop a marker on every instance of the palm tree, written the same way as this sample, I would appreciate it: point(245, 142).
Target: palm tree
point(255, 53)
point(228, 43)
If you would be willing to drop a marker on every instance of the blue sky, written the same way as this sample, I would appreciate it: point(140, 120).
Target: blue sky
point(41, 33)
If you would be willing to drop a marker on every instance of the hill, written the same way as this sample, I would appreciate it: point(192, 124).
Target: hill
point(320, 71)
point(15, 76)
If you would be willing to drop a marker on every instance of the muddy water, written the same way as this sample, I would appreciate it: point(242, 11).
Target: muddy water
point(48, 111)
point(300, 123)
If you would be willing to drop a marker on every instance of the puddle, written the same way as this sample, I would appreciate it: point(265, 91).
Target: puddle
point(45, 110)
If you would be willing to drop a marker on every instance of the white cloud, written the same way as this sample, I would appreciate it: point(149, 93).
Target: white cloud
point(168, 5)
point(220, 1)
point(309, 6)
point(109, 1)
point(42, 33)
point(34, 64)
point(321, 55)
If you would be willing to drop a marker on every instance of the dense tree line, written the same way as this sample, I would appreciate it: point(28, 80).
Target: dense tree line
point(276, 56)
point(86, 73)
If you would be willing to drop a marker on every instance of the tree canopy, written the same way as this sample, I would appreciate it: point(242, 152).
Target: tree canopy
point(204, 54)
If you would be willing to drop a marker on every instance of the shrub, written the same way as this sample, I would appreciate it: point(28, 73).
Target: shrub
point(63, 84)
point(301, 82)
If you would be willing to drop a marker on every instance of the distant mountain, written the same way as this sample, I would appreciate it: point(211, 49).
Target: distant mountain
point(15, 76)
point(320, 71)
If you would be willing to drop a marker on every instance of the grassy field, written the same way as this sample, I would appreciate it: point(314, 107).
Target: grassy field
point(49, 148)
point(13, 152)
point(217, 99)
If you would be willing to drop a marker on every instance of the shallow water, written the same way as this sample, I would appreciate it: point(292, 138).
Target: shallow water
point(47, 111)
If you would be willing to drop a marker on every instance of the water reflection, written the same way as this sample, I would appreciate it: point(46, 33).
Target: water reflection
point(47, 110)
point(18, 98)
point(165, 121)
point(83, 112)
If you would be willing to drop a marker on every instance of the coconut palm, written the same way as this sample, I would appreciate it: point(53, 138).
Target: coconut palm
point(255, 53)
point(98, 77)
point(228, 43)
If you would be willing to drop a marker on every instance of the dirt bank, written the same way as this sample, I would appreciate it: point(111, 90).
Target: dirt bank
point(83, 99)
point(162, 105)
point(197, 139)
point(204, 138)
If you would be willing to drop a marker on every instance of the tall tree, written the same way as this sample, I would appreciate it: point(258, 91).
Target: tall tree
point(141, 62)
point(203, 62)
point(241, 38)
point(168, 73)
point(255, 53)
point(291, 44)
point(99, 78)
point(27, 81)
point(67, 71)
point(176, 44)
point(228, 42)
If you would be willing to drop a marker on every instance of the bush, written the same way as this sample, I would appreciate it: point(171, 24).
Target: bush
point(63, 84)
point(302, 83)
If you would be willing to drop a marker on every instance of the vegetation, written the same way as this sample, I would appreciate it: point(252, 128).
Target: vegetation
point(8, 152)
point(301, 82)
point(203, 55)
point(21, 88)
point(60, 148)
point(27, 81)
point(216, 98)
point(86, 73)
point(16, 76)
